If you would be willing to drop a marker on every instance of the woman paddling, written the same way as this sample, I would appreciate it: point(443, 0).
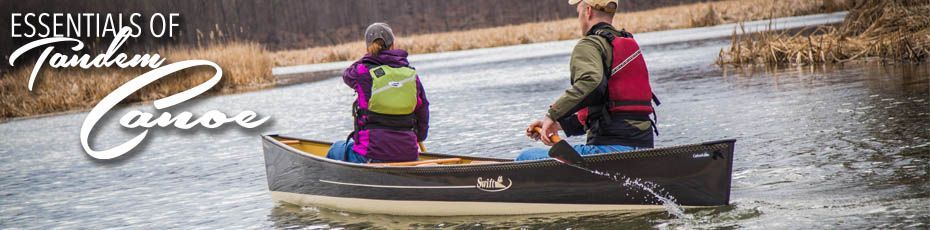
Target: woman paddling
point(391, 113)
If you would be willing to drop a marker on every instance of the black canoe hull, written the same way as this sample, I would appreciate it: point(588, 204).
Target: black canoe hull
point(695, 175)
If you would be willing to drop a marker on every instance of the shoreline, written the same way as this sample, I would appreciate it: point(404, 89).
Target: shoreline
point(292, 75)
point(254, 69)
point(886, 30)
point(289, 75)
point(135, 103)
point(682, 16)
point(246, 66)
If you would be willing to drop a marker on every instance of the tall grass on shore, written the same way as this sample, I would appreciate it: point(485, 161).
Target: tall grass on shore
point(889, 30)
point(245, 66)
point(675, 17)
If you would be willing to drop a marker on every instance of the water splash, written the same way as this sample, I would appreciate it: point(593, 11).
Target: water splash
point(668, 201)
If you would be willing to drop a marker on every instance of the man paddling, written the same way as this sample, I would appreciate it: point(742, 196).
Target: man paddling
point(610, 98)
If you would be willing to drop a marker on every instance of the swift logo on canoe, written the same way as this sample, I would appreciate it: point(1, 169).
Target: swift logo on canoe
point(492, 185)
point(700, 155)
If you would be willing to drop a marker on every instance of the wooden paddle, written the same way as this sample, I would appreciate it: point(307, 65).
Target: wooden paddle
point(561, 150)
point(422, 147)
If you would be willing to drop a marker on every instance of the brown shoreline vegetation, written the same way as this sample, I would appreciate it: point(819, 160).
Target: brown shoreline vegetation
point(245, 66)
point(665, 18)
point(887, 30)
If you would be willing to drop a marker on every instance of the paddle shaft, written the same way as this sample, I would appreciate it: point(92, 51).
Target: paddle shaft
point(554, 138)
point(422, 147)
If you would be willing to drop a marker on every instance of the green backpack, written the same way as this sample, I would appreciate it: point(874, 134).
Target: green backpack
point(393, 90)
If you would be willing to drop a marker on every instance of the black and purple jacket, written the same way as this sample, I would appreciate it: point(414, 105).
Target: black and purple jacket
point(378, 143)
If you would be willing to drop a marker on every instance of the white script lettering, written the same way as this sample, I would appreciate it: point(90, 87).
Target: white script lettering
point(211, 119)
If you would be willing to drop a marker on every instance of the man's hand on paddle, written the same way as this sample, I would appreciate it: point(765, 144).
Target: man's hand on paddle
point(548, 126)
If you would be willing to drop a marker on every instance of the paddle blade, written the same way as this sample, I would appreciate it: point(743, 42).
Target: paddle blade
point(564, 152)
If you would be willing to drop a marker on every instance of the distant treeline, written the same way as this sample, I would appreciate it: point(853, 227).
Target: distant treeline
point(287, 24)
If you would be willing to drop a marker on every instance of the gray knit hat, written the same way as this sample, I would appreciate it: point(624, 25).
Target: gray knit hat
point(379, 30)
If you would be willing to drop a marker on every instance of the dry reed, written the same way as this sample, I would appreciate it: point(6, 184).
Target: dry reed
point(248, 65)
point(888, 30)
point(245, 66)
point(674, 17)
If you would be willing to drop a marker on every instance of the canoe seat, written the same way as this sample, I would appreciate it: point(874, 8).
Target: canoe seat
point(423, 162)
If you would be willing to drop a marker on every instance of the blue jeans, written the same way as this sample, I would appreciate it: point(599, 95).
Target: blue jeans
point(339, 150)
point(536, 153)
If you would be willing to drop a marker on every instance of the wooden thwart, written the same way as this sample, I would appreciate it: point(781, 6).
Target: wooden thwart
point(415, 163)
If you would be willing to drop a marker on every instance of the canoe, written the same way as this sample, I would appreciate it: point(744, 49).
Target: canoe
point(696, 175)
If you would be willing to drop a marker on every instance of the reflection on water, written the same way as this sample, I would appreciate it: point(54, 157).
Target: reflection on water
point(290, 216)
point(819, 147)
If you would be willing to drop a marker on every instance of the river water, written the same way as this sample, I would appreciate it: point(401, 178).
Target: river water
point(818, 147)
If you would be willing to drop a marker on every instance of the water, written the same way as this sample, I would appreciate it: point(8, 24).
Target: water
point(668, 202)
point(819, 147)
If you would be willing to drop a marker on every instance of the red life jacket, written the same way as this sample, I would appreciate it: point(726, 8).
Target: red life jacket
point(628, 86)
